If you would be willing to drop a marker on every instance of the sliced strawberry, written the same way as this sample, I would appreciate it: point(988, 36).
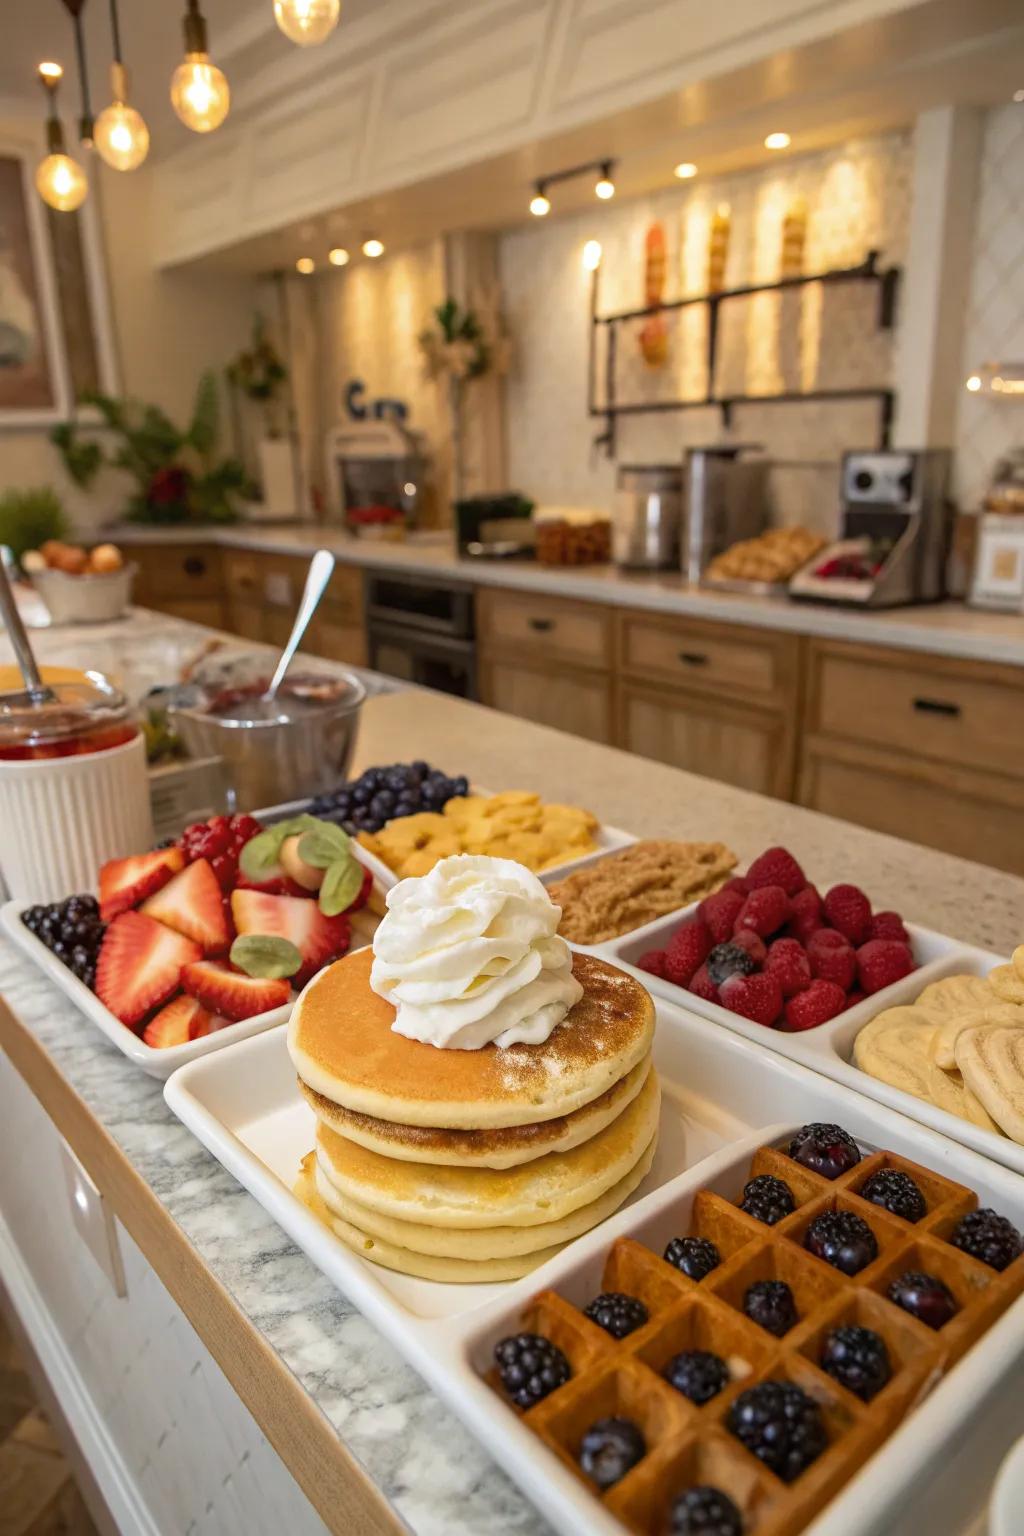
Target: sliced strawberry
point(278, 884)
point(139, 965)
point(193, 904)
point(232, 993)
point(183, 1019)
point(317, 938)
point(126, 882)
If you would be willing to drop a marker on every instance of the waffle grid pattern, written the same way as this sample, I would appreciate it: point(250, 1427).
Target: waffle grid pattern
point(687, 1445)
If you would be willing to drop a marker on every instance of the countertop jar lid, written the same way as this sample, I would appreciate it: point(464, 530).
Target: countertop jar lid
point(76, 709)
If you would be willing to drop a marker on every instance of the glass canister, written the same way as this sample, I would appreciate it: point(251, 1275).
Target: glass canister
point(74, 790)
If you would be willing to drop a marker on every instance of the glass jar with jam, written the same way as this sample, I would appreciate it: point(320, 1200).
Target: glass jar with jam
point(82, 717)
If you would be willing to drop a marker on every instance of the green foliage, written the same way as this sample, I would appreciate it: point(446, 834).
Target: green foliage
point(177, 475)
point(259, 372)
point(28, 518)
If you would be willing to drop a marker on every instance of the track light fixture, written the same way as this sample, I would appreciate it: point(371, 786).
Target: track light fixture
point(604, 187)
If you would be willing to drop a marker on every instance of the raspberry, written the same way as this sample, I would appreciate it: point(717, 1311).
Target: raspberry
point(888, 925)
point(854, 996)
point(880, 962)
point(736, 883)
point(687, 950)
point(832, 957)
point(720, 912)
point(765, 910)
point(757, 997)
point(805, 915)
point(753, 944)
point(790, 966)
point(653, 962)
point(702, 986)
point(818, 1003)
point(776, 866)
point(848, 909)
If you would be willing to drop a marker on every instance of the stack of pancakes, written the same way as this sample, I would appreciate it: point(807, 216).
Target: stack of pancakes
point(472, 1165)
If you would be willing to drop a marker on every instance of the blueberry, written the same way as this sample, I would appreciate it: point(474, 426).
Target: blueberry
point(924, 1297)
point(727, 960)
point(362, 794)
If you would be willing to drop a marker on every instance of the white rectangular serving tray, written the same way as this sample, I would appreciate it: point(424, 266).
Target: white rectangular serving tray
point(829, 1048)
point(723, 1097)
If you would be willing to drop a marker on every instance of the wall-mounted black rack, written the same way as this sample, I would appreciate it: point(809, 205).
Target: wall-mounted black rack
point(868, 271)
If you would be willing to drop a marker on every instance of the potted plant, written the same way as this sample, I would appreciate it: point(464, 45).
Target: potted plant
point(30, 518)
point(259, 375)
point(460, 347)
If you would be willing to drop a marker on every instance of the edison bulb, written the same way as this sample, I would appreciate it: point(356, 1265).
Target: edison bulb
point(61, 183)
point(540, 206)
point(605, 189)
point(199, 93)
point(307, 22)
point(121, 136)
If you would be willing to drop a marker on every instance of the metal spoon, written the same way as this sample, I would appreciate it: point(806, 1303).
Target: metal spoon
point(321, 569)
point(36, 689)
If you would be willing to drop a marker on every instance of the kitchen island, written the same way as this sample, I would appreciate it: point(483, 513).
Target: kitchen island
point(366, 1441)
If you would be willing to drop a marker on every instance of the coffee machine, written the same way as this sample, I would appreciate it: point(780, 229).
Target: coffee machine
point(895, 528)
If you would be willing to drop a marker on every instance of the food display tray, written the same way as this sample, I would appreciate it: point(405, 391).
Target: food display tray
point(724, 1098)
point(829, 1047)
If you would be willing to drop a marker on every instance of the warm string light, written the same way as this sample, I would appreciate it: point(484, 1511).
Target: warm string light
point(122, 137)
point(307, 22)
point(60, 180)
point(200, 94)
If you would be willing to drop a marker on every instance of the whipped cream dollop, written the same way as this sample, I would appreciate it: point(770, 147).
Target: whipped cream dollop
point(469, 954)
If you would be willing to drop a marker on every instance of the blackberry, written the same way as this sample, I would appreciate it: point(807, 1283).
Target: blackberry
point(705, 1511)
point(729, 960)
point(72, 931)
point(694, 1257)
point(825, 1149)
point(858, 1359)
point(609, 1449)
point(770, 1304)
point(767, 1199)
point(924, 1297)
point(697, 1374)
point(843, 1239)
point(894, 1191)
point(780, 1425)
point(988, 1237)
point(616, 1314)
point(530, 1367)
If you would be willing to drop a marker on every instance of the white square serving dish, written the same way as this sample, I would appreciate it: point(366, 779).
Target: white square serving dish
point(723, 1097)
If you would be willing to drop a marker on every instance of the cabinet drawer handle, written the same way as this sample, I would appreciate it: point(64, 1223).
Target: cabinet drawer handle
point(542, 626)
point(937, 707)
point(193, 565)
point(693, 658)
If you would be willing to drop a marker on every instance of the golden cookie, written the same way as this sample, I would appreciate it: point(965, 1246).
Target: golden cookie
point(896, 1047)
point(944, 1044)
point(992, 1063)
point(1007, 982)
point(956, 994)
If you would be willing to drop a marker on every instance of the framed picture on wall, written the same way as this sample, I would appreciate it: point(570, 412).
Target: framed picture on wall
point(56, 338)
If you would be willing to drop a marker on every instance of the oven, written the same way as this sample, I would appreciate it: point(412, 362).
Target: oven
point(422, 631)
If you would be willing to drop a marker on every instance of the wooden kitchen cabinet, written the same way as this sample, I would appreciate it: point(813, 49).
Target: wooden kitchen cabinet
point(925, 747)
point(180, 579)
point(546, 659)
point(578, 702)
point(746, 747)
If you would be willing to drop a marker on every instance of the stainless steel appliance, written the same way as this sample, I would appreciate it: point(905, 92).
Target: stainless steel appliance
point(646, 519)
point(422, 631)
point(377, 475)
point(895, 530)
point(725, 499)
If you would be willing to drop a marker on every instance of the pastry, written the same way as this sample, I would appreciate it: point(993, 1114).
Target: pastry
point(956, 994)
point(897, 1047)
point(773, 556)
point(634, 886)
point(996, 1014)
point(515, 825)
point(992, 1063)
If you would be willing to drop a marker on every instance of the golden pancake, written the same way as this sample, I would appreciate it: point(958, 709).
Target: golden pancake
point(343, 1047)
point(504, 1148)
point(403, 1260)
point(482, 1242)
point(545, 1190)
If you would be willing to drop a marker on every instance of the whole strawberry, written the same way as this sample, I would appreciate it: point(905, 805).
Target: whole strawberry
point(880, 962)
point(788, 963)
point(832, 957)
point(805, 916)
point(818, 1003)
point(720, 912)
point(888, 925)
point(757, 997)
point(776, 866)
point(848, 910)
point(653, 962)
point(702, 986)
point(686, 951)
point(765, 910)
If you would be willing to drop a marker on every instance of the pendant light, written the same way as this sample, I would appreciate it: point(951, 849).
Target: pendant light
point(122, 138)
point(60, 180)
point(307, 22)
point(199, 92)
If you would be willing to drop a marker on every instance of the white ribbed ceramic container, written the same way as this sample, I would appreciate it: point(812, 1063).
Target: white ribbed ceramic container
point(62, 817)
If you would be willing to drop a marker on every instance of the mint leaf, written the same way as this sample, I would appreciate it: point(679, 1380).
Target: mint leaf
point(265, 955)
point(323, 846)
point(342, 884)
point(261, 855)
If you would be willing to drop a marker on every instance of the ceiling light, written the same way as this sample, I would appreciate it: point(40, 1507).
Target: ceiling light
point(60, 180)
point(338, 257)
point(684, 170)
point(973, 384)
point(199, 92)
point(540, 203)
point(605, 188)
point(305, 265)
point(592, 255)
point(373, 248)
point(307, 22)
point(777, 141)
point(121, 135)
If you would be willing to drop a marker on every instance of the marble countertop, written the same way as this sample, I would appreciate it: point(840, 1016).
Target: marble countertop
point(941, 629)
point(437, 1477)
